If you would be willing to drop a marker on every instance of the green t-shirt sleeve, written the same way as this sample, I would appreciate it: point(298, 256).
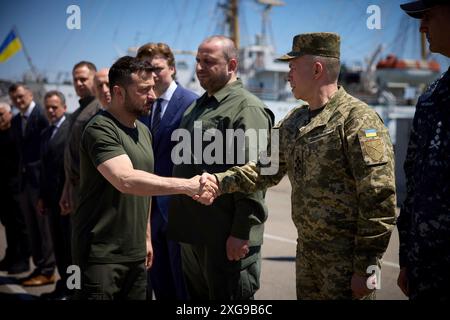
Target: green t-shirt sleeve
point(101, 142)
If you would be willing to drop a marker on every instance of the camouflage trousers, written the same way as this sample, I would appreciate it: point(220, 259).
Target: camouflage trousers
point(324, 277)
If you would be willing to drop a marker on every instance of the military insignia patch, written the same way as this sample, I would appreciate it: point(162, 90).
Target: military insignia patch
point(370, 133)
point(374, 148)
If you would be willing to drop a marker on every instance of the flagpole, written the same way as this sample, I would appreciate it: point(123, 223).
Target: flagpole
point(25, 51)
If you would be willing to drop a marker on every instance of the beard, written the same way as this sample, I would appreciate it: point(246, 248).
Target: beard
point(214, 83)
point(135, 107)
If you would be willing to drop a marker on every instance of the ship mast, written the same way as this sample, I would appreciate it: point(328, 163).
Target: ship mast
point(232, 18)
point(27, 55)
point(423, 48)
point(268, 4)
point(234, 22)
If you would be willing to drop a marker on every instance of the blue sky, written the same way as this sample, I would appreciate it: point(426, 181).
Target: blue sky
point(109, 27)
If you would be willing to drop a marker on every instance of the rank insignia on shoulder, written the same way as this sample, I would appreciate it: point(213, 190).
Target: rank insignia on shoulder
point(370, 133)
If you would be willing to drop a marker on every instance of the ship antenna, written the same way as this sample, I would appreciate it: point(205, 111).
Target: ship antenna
point(25, 51)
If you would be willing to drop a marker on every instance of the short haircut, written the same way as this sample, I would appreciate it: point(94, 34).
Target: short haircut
point(6, 106)
point(332, 66)
point(87, 64)
point(150, 50)
point(229, 49)
point(120, 72)
point(57, 93)
point(13, 88)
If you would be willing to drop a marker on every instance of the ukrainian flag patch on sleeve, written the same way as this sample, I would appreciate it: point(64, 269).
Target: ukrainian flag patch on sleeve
point(370, 133)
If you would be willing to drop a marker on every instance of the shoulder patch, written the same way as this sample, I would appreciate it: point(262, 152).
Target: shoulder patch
point(372, 146)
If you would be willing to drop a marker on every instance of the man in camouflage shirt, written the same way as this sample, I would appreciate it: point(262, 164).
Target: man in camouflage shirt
point(424, 221)
point(339, 159)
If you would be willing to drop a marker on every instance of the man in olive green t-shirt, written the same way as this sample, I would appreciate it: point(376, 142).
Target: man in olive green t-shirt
point(111, 232)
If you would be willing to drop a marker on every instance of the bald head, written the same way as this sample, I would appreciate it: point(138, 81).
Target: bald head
point(217, 62)
point(5, 116)
point(5, 107)
point(101, 82)
point(225, 44)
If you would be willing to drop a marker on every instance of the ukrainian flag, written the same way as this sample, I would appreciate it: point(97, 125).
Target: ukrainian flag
point(10, 46)
point(370, 133)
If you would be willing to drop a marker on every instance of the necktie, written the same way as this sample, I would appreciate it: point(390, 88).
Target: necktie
point(52, 131)
point(49, 137)
point(24, 124)
point(156, 117)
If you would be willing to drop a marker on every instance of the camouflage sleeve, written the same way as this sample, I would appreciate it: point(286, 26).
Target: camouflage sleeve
point(261, 174)
point(371, 160)
point(403, 222)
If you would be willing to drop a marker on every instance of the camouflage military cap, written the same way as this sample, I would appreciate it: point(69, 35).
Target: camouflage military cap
point(318, 44)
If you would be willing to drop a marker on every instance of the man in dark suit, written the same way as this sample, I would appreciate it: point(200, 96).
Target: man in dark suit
point(17, 255)
point(166, 273)
point(28, 125)
point(53, 140)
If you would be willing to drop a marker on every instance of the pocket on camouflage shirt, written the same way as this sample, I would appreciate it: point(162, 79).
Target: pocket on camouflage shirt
point(321, 153)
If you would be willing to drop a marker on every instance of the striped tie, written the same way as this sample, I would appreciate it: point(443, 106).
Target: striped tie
point(156, 117)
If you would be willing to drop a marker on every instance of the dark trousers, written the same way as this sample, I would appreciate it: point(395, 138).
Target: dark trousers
point(211, 276)
point(113, 281)
point(166, 273)
point(60, 229)
point(18, 249)
point(426, 283)
point(39, 234)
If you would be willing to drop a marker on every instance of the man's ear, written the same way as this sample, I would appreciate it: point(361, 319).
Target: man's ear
point(318, 69)
point(232, 65)
point(174, 69)
point(119, 93)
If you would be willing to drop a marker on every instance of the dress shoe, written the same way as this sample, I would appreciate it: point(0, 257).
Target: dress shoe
point(39, 280)
point(19, 267)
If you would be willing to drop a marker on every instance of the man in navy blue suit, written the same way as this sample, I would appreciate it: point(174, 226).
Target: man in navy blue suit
point(166, 273)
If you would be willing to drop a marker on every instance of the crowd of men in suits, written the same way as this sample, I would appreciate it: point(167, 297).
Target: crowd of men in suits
point(33, 169)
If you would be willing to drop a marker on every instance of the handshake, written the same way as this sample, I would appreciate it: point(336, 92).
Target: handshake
point(204, 188)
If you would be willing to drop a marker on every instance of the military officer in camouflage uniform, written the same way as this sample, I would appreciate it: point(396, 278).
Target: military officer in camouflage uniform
point(340, 162)
point(424, 221)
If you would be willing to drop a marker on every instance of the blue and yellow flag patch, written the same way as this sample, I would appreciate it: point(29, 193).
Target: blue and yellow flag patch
point(370, 133)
